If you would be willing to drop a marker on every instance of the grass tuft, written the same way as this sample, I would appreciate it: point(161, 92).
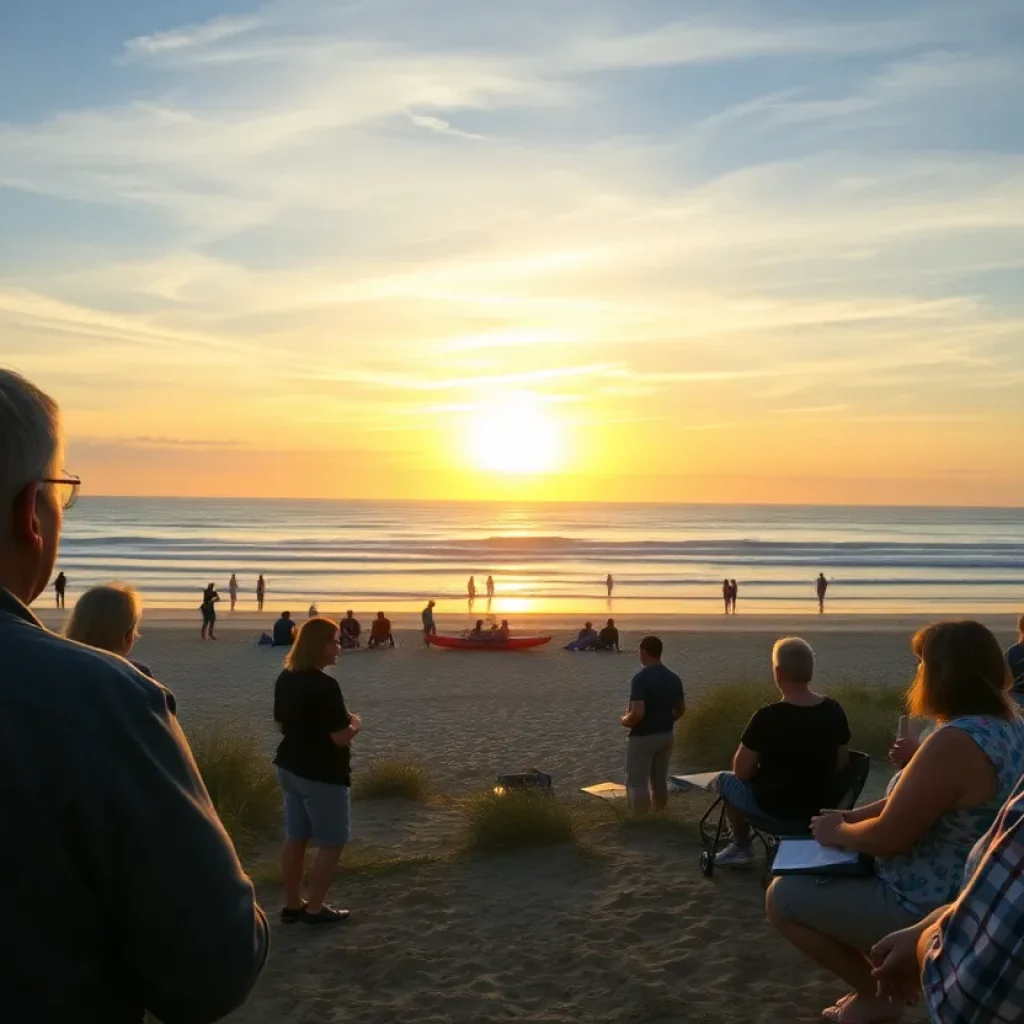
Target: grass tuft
point(392, 780)
point(240, 778)
point(516, 820)
point(707, 736)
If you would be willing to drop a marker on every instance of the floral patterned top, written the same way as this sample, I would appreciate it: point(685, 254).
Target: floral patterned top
point(931, 872)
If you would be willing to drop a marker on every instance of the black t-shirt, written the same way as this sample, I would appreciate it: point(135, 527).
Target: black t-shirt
point(797, 749)
point(608, 637)
point(284, 632)
point(309, 706)
point(660, 689)
point(350, 627)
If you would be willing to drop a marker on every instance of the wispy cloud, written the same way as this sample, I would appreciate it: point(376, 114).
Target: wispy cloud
point(178, 40)
point(440, 126)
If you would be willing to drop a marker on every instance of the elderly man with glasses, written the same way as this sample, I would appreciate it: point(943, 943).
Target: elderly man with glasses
point(121, 891)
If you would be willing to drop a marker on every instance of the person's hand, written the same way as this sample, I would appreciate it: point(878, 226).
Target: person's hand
point(826, 827)
point(902, 751)
point(355, 723)
point(895, 966)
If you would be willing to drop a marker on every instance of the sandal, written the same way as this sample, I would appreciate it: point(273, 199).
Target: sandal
point(289, 915)
point(325, 915)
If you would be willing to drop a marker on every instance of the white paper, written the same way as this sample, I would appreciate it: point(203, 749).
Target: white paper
point(700, 780)
point(810, 855)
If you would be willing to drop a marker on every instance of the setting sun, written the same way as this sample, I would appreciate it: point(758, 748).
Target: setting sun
point(517, 435)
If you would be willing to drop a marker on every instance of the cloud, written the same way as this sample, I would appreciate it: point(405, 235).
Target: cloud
point(178, 40)
point(440, 126)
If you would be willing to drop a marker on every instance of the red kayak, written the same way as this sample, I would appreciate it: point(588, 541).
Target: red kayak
point(465, 643)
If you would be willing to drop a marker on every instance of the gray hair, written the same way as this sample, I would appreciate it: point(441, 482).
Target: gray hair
point(30, 437)
point(103, 616)
point(794, 658)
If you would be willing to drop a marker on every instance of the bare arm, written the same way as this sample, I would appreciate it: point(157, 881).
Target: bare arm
point(744, 763)
point(634, 715)
point(948, 769)
point(343, 737)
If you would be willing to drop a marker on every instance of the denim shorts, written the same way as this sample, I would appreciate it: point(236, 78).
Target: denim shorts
point(739, 793)
point(315, 812)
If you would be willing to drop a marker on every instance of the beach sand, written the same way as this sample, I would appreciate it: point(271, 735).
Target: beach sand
point(622, 927)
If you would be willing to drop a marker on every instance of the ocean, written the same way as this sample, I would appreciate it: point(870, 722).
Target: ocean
point(550, 557)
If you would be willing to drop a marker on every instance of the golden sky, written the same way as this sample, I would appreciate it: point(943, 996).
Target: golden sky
point(569, 252)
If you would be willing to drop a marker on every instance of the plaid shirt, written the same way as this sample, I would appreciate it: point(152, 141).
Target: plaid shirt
point(974, 971)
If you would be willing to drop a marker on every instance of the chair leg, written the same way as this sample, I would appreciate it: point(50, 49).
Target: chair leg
point(707, 858)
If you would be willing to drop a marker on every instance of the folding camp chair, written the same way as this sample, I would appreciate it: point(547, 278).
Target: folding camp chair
point(848, 789)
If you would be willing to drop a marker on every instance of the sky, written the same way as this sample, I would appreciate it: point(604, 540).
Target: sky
point(578, 249)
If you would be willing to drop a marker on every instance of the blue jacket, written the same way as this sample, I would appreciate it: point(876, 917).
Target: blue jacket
point(120, 892)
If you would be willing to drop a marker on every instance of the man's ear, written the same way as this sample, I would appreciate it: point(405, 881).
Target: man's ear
point(25, 525)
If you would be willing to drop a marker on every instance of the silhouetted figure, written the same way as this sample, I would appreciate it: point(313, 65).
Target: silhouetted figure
point(822, 586)
point(490, 587)
point(608, 638)
point(284, 631)
point(609, 583)
point(429, 627)
point(60, 584)
point(380, 632)
point(261, 591)
point(350, 630)
point(233, 590)
point(209, 611)
point(733, 591)
point(471, 589)
point(727, 595)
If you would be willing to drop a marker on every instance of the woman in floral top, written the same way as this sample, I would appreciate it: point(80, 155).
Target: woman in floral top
point(920, 835)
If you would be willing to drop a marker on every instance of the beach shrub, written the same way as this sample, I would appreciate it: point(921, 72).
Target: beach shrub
point(707, 736)
point(512, 821)
point(392, 780)
point(238, 773)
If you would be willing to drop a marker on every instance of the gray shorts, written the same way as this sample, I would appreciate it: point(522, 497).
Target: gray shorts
point(854, 911)
point(315, 812)
point(648, 760)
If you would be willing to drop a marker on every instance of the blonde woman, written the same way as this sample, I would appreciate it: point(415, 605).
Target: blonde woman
point(108, 617)
point(313, 769)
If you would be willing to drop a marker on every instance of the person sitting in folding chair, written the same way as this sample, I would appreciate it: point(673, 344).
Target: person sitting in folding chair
point(785, 768)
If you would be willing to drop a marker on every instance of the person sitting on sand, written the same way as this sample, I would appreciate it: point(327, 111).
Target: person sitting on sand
point(313, 767)
point(504, 632)
point(656, 703)
point(108, 617)
point(350, 631)
point(608, 638)
point(966, 958)
point(478, 632)
point(586, 639)
point(784, 770)
point(380, 632)
point(1015, 659)
point(284, 631)
point(921, 833)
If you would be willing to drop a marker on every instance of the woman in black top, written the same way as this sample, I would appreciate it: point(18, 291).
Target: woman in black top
point(210, 598)
point(313, 769)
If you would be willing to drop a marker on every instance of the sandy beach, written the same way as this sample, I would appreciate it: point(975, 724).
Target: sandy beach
point(621, 927)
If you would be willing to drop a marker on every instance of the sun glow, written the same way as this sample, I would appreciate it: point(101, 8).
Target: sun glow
point(517, 435)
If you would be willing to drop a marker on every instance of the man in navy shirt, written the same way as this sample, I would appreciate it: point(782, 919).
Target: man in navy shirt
point(284, 630)
point(655, 705)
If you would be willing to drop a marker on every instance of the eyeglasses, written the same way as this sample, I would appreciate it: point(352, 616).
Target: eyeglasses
point(66, 488)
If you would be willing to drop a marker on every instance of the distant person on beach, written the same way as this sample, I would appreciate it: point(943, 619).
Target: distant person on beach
point(313, 766)
point(609, 584)
point(209, 611)
point(821, 586)
point(734, 591)
point(233, 590)
point(429, 628)
point(490, 587)
point(60, 584)
point(380, 632)
point(284, 631)
point(312, 613)
point(1015, 660)
point(108, 618)
point(727, 595)
point(921, 834)
point(471, 589)
point(123, 894)
point(261, 592)
point(350, 631)
point(478, 632)
point(608, 638)
point(504, 632)
point(786, 765)
point(586, 639)
point(656, 703)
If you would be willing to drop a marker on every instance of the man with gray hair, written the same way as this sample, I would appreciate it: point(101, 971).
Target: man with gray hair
point(784, 770)
point(121, 890)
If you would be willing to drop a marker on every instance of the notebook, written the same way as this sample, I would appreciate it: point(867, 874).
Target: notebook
point(809, 857)
point(606, 791)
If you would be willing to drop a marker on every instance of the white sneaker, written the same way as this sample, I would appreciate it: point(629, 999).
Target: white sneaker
point(735, 856)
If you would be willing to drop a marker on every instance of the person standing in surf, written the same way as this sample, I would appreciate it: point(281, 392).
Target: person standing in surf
point(471, 589)
point(610, 584)
point(233, 590)
point(261, 591)
point(821, 587)
point(490, 588)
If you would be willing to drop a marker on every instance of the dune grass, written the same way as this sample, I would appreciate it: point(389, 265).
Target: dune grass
point(239, 775)
point(392, 780)
point(706, 738)
point(516, 820)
